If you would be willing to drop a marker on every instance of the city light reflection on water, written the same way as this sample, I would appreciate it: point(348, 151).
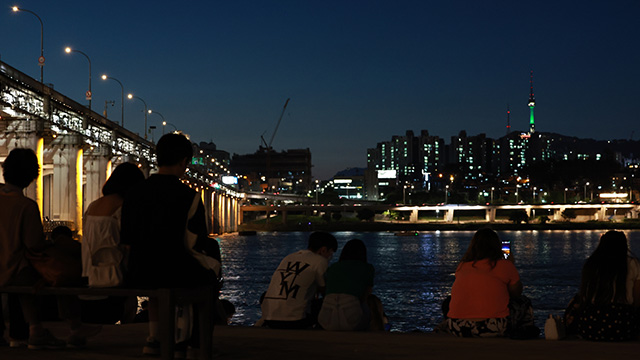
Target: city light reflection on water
point(415, 273)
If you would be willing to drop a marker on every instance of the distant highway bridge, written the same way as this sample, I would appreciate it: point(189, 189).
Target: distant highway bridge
point(491, 213)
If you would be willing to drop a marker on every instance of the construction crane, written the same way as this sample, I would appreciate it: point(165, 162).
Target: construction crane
point(268, 146)
point(268, 149)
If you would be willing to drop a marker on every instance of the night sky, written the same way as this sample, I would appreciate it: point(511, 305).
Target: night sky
point(357, 72)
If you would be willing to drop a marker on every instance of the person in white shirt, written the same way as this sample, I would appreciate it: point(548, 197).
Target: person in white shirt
point(289, 300)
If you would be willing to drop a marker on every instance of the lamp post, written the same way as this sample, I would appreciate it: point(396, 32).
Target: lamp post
point(41, 58)
point(105, 77)
point(492, 188)
point(585, 191)
point(164, 122)
point(69, 50)
point(565, 195)
point(131, 96)
point(446, 193)
point(404, 196)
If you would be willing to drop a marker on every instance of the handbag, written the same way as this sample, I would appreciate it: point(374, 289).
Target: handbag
point(554, 328)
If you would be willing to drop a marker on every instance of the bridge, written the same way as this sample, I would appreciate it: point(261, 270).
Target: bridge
point(449, 213)
point(77, 148)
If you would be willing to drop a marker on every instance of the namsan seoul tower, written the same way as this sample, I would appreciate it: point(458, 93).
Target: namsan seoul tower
point(532, 104)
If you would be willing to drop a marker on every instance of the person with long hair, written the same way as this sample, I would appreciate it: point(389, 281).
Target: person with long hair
point(609, 297)
point(484, 283)
point(347, 304)
point(102, 256)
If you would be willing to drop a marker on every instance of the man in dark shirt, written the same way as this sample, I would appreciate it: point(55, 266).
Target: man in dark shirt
point(164, 226)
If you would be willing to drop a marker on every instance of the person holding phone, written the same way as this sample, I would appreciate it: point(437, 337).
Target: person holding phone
point(485, 282)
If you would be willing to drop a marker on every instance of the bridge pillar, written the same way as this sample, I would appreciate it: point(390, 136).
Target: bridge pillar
point(414, 216)
point(490, 214)
point(96, 166)
point(67, 183)
point(557, 213)
point(449, 215)
point(602, 213)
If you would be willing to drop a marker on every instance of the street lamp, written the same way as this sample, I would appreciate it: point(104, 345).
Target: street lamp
point(446, 193)
point(69, 50)
point(164, 122)
point(565, 195)
point(41, 58)
point(585, 191)
point(131, 96)
point(492, 188)
point(105, 77)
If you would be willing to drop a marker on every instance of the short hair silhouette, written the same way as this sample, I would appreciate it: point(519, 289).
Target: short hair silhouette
point(124, 177)
point(319, 239)
point(173, 148)
point(21, 167)
point(61, 231)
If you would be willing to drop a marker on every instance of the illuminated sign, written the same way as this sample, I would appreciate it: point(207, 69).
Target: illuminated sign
point(342, 181)
point(387, 174)
point(230, 180)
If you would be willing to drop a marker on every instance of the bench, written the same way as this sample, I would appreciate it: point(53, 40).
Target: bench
point(167, 299)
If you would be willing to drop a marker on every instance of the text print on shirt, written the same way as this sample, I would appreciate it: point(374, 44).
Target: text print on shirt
point(288, 276)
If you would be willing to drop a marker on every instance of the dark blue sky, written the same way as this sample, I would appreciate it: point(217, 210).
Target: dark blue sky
point(357, 72)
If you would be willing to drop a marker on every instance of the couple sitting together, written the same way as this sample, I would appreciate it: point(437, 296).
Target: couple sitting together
point(292, 301)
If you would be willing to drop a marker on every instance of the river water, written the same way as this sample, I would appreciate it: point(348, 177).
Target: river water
point(415, 273)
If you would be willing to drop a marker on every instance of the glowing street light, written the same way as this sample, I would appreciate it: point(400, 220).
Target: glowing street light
point(585, 190)
point(69, 50)
point(146, 110)
point(164, 122)
point(105, 77)
point(41, 58)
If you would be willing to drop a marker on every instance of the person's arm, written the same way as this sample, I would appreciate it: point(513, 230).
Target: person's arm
point(32, 232)
point(636, 293)
point(515, 289)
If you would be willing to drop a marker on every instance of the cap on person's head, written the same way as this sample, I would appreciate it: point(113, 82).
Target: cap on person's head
point(21, 167)
point(318, 239)
point(173, 148)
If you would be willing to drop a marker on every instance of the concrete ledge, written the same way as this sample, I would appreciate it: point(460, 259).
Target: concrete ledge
point(234, 342)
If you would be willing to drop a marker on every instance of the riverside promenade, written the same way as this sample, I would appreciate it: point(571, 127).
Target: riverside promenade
point(236, 342)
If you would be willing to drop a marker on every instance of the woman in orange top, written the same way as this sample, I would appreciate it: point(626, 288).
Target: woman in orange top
point(484, 283)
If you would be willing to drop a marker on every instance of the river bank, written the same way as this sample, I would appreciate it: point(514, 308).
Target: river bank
point(240, 342)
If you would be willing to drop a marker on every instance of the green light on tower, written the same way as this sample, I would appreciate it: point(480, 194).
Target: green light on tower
point(532, 104)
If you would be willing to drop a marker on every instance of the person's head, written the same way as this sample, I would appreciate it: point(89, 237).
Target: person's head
point(323, 243)
point(485, 244)
point(21, 167)
point(605, 272)
point(61, 231)
point(172, 149)
point(123, 178)
point(354, 250)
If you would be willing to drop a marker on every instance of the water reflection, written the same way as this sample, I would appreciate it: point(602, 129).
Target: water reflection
point(415, 273)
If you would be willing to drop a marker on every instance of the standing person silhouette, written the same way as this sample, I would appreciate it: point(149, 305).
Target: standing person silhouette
point(164, 226)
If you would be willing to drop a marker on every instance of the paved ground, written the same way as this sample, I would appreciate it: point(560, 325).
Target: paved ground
point(125, 342)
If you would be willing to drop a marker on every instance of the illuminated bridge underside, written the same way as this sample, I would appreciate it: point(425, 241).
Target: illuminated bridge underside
point(77, 149)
